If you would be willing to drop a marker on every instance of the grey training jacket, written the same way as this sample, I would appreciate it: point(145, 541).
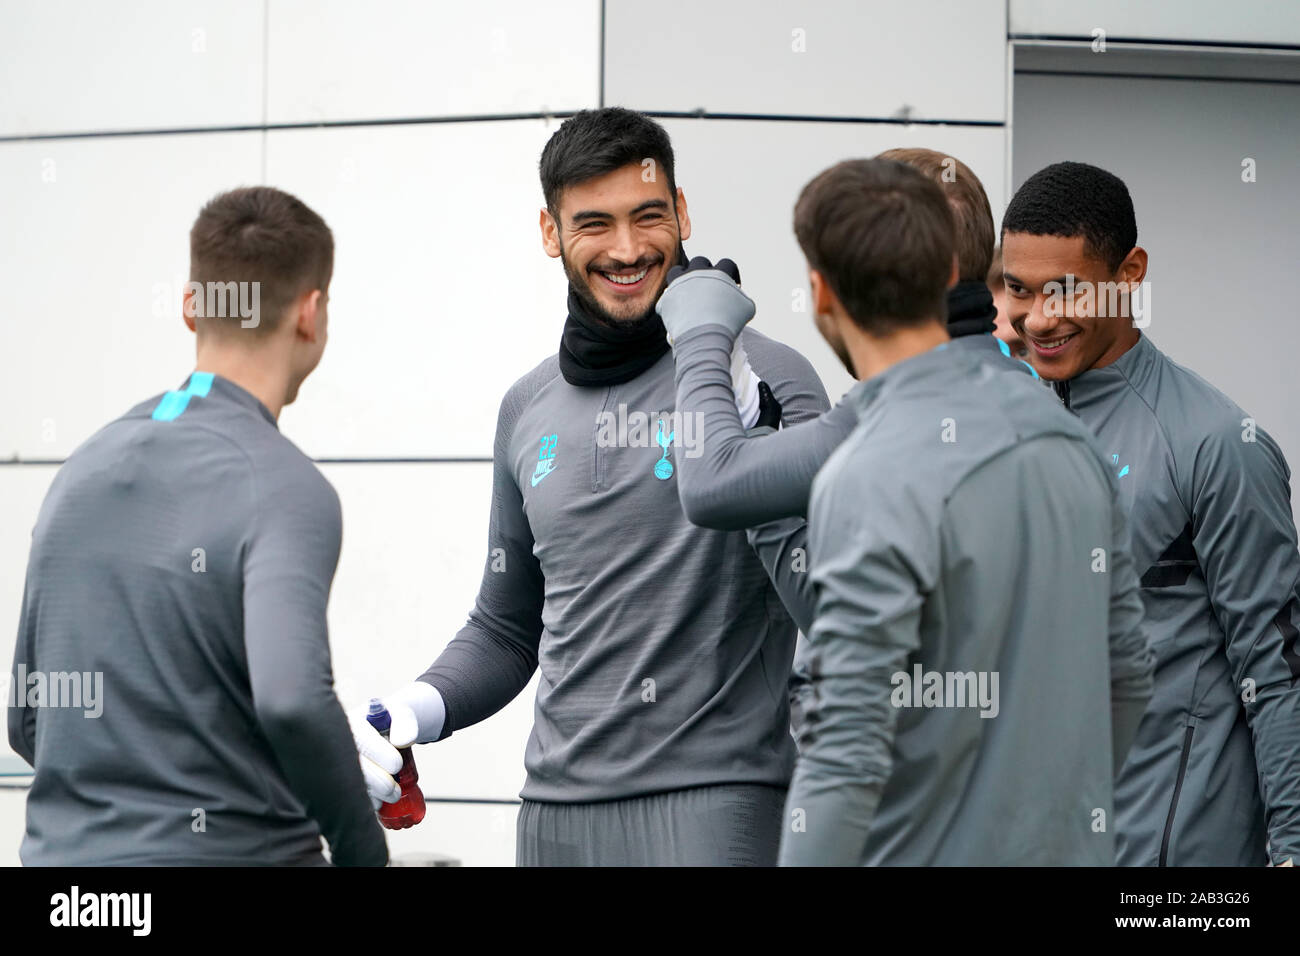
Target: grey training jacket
point(184, 554)
point(1215, 770)
point(1033, 632)
point(664, 649)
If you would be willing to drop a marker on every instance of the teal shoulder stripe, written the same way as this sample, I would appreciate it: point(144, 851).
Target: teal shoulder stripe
point(1006, 350)
point(174, 403)
point(200, 384)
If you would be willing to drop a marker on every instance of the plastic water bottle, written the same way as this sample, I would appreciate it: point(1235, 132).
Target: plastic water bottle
point(409, 808)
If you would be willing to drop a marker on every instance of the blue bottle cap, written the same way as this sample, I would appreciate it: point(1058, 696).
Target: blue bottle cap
point(377, 716)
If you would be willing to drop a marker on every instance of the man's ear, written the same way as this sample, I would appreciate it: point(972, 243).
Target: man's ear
point(188, 308)
point(308, 311)
point(1134, 267)
point(683, 216)
point(550, 233)
point(822, 296)
point(955, 275)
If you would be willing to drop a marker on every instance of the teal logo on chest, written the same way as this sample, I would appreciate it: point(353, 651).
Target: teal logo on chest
point(1121, 472)
point(664, 467)
point(545, 459)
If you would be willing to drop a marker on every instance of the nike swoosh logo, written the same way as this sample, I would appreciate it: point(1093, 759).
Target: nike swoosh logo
point(541, 472)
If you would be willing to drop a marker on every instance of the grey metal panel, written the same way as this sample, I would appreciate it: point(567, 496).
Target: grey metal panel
point(926, 59)
point(342, 60)
point(69, 65)
point(1243, 21)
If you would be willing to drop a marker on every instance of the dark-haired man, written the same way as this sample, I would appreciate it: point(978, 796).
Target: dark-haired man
point(661, 733)
point(1214, 774)
point(182, 562)
point(947, 681)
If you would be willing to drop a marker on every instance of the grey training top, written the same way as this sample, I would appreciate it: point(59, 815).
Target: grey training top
point(917, 575)
point(1215, 770)
point(742, 482)
point(664, 648)
point(185, 552)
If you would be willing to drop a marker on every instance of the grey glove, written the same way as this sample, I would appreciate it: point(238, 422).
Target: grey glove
point(704, 294)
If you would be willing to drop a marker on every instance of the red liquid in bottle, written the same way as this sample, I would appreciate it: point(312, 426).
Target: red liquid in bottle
point(409, 808)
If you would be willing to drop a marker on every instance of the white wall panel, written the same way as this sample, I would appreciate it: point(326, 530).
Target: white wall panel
point(442, 296)
point(414, 545)
point(1244, 21)
point(342, 60)
point(79, 65)
point(741, 179)
point(91, 275)
point(937, 59)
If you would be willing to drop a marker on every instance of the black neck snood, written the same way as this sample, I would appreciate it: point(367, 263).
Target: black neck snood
point(970, 309)
point(593, 353)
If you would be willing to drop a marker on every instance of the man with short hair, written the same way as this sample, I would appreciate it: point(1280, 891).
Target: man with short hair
point(661, 734)
point(952, 665)
point(1214, 774)
point(183, 559)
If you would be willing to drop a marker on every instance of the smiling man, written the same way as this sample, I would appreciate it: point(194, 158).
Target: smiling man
point(1215, 770)
point(661, 731)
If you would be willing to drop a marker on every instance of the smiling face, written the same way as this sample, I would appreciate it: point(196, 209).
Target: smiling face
point(618, 235)
point(1066, 337)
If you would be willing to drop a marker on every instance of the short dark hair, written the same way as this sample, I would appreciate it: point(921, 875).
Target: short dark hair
point(592, 143)
point(971, 212)
point(1075, 199)
point(264, 235)
point(881, 234)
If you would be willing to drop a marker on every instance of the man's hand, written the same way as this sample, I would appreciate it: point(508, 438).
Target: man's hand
point(769, 409)
point(704, 294)
point(380, 760)
point(416, 713)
